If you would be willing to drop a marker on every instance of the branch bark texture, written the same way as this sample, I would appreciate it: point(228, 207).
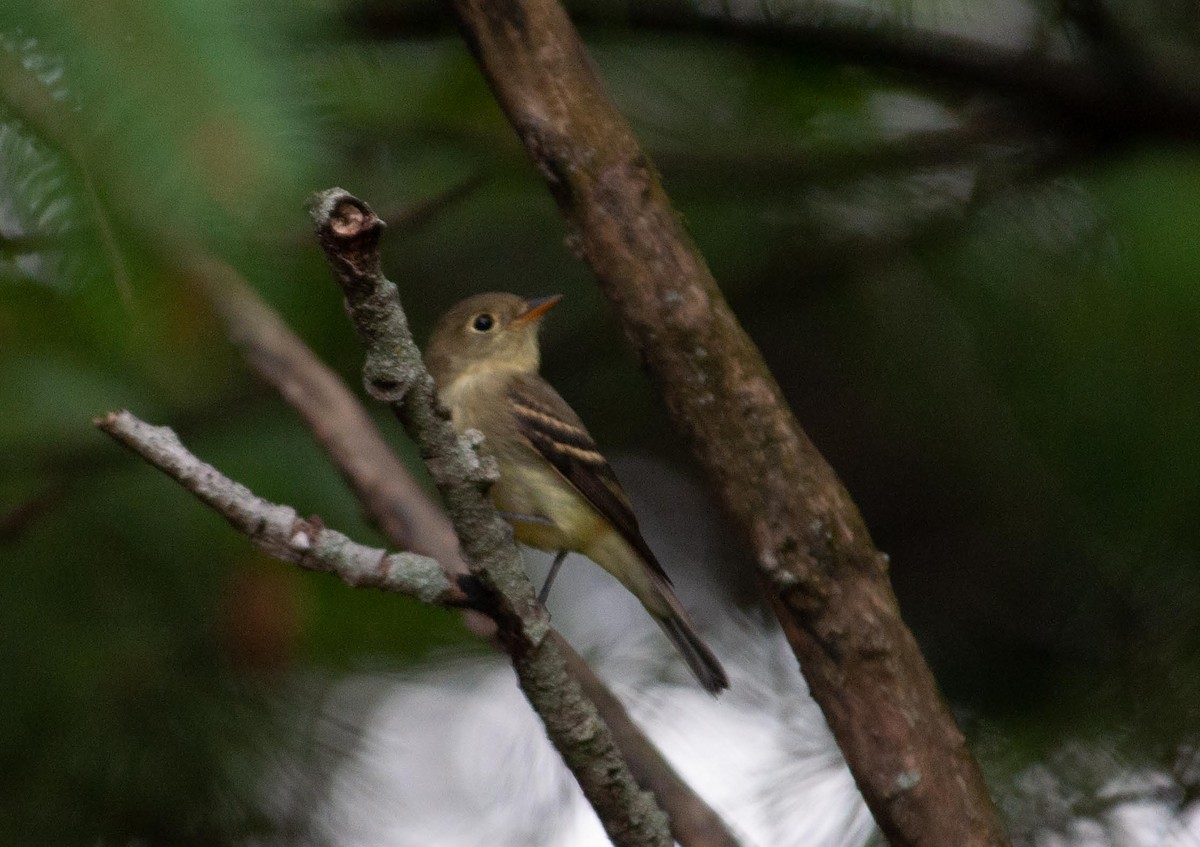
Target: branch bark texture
point(828, 583)
point(395, 374)
point(278, 530)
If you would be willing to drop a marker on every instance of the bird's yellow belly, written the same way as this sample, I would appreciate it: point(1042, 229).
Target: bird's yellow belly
point(571, 523)
point(528, 485)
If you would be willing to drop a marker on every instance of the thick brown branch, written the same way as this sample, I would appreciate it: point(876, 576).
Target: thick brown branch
point(394, 373)
point(828, 583)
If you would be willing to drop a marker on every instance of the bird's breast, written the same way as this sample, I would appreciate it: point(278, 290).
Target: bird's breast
point(528, 484)
point(537, 490)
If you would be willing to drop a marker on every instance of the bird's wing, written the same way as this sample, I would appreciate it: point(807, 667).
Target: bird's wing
point(556, 432)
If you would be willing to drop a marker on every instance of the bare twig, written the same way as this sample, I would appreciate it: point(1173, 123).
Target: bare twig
point(395, 374)
point(278, 530)
point(827, 582)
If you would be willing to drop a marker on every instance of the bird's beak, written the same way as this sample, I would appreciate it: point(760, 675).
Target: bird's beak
point(536, 307)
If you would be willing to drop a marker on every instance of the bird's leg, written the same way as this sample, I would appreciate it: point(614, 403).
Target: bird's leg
point(544, 594)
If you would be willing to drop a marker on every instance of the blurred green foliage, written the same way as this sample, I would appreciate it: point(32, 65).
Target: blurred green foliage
point(1004, 371)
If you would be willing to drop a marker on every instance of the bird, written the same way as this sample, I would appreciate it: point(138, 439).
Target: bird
point(555, 487)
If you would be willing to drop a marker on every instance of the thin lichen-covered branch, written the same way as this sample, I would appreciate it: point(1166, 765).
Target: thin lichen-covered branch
point(827, 582)
point(395, 374)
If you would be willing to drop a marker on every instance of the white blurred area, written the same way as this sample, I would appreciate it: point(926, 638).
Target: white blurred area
point(454, 756)
point(451, 755)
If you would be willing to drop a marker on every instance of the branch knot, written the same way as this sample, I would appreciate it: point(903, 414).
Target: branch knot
point(385, 380)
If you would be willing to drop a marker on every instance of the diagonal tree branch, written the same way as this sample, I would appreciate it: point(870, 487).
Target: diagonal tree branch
point(278, 530)
point(827, 582)
point(394, 373)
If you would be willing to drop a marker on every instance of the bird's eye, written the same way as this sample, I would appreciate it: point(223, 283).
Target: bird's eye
point(483, 323)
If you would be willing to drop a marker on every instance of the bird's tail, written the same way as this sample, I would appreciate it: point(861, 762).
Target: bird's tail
point(700, 660)
point(644, 577)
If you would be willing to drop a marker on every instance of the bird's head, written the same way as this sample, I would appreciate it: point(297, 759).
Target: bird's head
point(487, 331)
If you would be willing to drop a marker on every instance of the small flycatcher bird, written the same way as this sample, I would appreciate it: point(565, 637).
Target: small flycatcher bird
point(555, 487)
